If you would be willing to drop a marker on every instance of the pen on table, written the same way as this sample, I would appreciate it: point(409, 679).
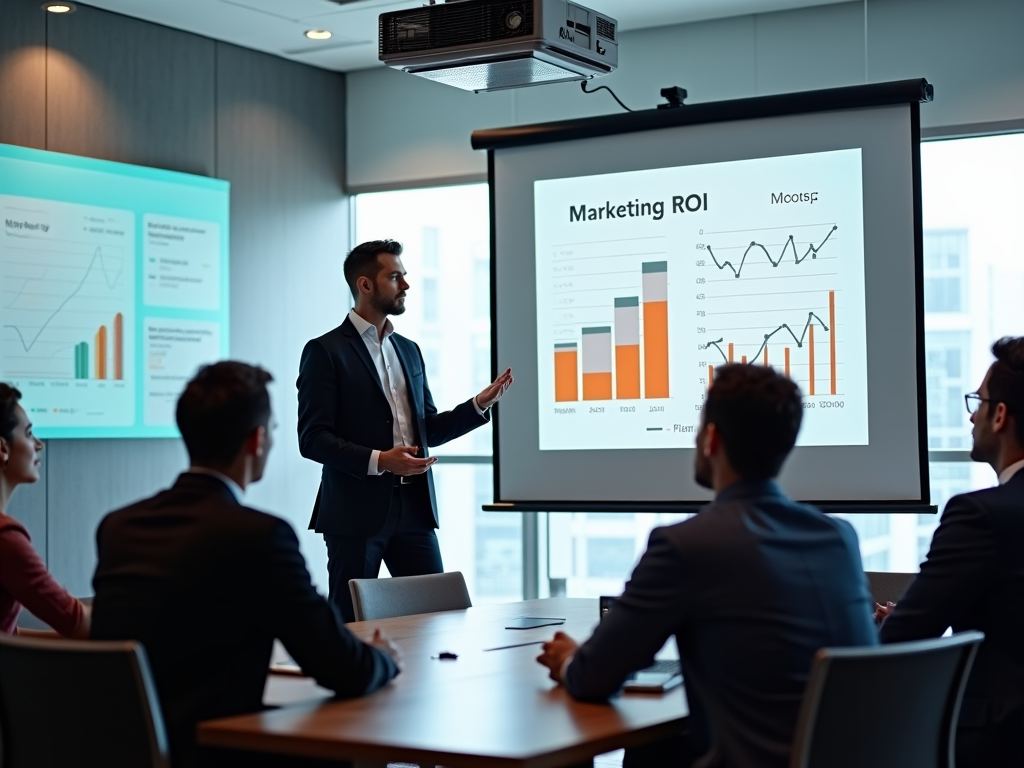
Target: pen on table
point(517, 645)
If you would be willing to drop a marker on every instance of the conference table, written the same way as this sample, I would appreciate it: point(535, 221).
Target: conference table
point(491, 706)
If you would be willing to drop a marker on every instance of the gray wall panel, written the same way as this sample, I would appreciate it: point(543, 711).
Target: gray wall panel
point(23, 122)
point(88, 479)
point(125, 90)
point(820, 47)
point(22, 73)
point(281, 144)
point(972, 52)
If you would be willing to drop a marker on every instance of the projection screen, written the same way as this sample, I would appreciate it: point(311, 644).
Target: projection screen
point(633, 254)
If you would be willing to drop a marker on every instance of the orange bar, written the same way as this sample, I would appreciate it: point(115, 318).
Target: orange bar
point(787, 362)
point(597, 386)
point(627, 372)
point(766, 354)
point(730, 351)
point(832, 335)
point(711, 375)
point(655, 349)
point(566, 384)
point(743, 359)
point(810, 354)
point(118, 347)
point(101, 352)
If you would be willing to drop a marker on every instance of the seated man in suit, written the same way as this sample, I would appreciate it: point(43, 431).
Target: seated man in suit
point(973, 577)
point(751, 587)
point(206, 584)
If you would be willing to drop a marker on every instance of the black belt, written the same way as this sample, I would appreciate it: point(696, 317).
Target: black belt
point(404, 479)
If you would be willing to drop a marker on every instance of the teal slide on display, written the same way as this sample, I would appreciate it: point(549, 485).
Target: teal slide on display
point(648, 280)
point(113, 290)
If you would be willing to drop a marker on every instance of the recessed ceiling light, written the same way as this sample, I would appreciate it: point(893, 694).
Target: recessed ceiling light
point(318, 34)
point(59, 7)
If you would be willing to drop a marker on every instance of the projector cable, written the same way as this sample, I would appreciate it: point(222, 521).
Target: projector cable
point(583, 86)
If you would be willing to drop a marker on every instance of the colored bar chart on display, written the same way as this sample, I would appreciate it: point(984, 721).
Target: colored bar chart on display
point(648, 281)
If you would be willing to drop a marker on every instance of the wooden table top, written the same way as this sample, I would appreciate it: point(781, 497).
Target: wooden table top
point(487, 708)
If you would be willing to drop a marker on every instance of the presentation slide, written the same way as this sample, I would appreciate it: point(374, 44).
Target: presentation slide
point(114, 283)
point(648, 280)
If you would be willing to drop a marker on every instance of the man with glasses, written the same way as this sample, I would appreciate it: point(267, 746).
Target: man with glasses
point(973, 577)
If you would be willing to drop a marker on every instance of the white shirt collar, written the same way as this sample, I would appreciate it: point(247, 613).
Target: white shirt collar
point(235, 488)
point(362, 326)
point(1007, 474)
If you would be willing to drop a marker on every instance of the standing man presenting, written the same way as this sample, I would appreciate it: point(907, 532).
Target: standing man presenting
point(366, 415)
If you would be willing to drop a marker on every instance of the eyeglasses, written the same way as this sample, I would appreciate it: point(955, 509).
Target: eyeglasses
point(973, 402)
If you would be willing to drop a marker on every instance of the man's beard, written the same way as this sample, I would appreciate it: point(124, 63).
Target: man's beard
point(385, 307)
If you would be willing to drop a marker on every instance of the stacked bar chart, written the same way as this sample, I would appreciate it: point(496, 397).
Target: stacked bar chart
point(608, 359)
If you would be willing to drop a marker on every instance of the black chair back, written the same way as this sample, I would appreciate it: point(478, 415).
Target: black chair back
point(889, 706)
point(70, 703)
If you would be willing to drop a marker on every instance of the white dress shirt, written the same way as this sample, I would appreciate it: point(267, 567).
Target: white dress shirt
point(235, 488)
point(392, 379)
point(1007, 474)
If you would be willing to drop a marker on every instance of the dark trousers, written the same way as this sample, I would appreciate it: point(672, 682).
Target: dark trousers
point(407, 544)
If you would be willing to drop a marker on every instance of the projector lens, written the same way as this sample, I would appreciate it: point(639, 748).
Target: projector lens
point(513, 20)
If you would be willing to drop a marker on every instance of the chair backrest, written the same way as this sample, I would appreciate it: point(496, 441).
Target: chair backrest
point(889, 706)
point(73, 703)
point(406, 595)
point(888, 587)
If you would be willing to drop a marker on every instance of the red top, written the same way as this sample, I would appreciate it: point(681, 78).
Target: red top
point(24, 580)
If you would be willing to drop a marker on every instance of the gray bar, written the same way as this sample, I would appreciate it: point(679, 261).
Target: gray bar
point(655, 276)
point(569, 345)
point(597, 350)
point(627, 321)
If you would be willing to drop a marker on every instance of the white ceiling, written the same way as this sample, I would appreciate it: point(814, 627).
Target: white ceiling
point(277, 26)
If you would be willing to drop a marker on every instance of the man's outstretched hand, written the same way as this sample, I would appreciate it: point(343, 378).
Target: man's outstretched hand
point(494, 391)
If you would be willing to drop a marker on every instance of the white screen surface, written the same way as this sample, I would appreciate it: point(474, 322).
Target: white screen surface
point(707, 263)
point(600, 316)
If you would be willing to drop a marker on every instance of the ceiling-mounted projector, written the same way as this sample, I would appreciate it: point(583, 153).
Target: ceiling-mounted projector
point(488, 45)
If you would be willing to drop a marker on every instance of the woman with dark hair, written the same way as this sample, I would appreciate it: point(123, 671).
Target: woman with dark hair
point(24, 580)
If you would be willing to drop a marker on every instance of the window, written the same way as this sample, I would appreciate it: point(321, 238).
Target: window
point(445, 232)
point(974, 293)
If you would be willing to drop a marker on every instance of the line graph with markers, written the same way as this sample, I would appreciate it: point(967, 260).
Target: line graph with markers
point(636, 312)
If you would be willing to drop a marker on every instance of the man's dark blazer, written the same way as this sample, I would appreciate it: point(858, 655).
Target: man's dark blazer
point(751, 587)
point(206, 585)
point(973, 578)
point(344, 416)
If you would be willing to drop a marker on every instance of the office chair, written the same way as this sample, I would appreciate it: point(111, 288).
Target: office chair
point(78, 704)
point(889, 706)
point(406, 595)
point(887, 586)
